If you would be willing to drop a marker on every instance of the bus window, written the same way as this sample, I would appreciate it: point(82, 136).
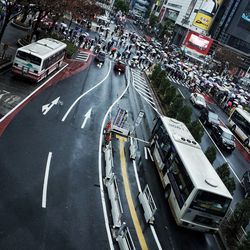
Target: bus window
point(29, 57)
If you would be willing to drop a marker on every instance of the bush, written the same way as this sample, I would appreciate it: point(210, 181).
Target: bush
point(169, 95)
point(211, 153)
point(224, 173)
point(185, 114)
point(196, 130)
point(175, 107)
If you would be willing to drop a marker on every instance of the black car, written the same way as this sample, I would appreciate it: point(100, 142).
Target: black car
point(245, 182)
point(208, 117)
point(100, 57)
point(223, 137)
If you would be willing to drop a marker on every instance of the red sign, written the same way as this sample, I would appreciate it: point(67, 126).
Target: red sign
point(198, 42)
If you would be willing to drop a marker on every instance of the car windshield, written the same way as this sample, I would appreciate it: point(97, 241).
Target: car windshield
point(227, 135)
point(200, 99)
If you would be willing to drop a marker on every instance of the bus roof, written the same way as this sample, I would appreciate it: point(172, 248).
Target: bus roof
point(244, 113)
point(44, 47)
point(200, 170)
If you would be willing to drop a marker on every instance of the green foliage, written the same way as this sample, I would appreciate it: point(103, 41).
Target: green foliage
point(160, 77)
point(153, 20)
point(245, 244)
point(121, 5)
point(211, 153)
point(155, 72)
point(175, 107)
point(185, 114)
point(224, 173)
point(164, 84)
point(169, 95)
point(196, 130)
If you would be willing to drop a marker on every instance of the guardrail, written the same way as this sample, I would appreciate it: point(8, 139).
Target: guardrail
point(121, 231)
point(124, 239)
point(148, 205)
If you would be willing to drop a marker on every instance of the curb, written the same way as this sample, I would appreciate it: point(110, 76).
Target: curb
point(6, 66)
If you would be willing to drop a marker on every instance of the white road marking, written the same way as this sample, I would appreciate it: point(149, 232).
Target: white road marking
point(81, 96)
point(111, 245)
point(140, 190)
point(152, 159)
point(45, 181)
point(145, 153)
point(30, 95)
point(47, 107)
point(181, 93)
point(86, 117)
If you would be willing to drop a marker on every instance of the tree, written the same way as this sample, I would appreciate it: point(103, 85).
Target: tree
point(169, 95)
point(211, 153)
point(165, 83)
point(153, 20)
point(159, 78)
point(245, 244)
point(185, 114)
point(121, 5)
point(224, 173)
point(12, 10)
point(175, 106)
point(166, 29)
point(155, 72)
point(239, 218)
point(196, 130)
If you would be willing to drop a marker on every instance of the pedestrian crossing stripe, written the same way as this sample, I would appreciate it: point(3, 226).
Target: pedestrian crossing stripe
point(82, 56)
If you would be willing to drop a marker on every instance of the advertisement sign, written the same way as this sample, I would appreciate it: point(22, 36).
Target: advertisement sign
point(197, 42)
point(172, 14)
point(245, 18)
point(206, 13)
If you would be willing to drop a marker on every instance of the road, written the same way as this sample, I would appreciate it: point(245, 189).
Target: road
point(50, 186)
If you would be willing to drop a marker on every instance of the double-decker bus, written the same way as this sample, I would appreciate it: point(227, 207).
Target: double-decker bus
point(239, 122)
point(37, 60)
point(198, 198)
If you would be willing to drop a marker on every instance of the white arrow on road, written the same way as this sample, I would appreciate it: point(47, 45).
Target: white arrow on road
point(86, 117)
point(47, 107)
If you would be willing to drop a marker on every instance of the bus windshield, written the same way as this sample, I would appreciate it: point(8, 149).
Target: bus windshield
point(29, 58)
point(211, 203)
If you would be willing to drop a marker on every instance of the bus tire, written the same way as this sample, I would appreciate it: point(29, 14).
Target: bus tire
point(233, 127)
point(167, 191)
point(246, 142)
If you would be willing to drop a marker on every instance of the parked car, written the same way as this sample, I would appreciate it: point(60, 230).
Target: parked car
point(198, 100)
point(208, 117)
point(120, 66)
point(223, 137)
point(245, 183)
point(100, 57)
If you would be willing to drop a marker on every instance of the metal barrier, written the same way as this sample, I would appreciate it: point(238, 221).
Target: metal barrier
point(119, 130)
point(133, 148)
point(124, 239)
point(148, 204)
point(114, 197)
point(108, 159)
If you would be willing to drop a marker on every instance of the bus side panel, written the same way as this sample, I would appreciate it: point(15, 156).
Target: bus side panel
point(237, 130)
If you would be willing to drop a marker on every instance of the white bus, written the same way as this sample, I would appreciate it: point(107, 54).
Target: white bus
point(198, 198)
point(239, 122)
point(37, 60)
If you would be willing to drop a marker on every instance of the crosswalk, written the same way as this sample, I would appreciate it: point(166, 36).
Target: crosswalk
point(82, 56)
point(141, 87)
point(172, 79)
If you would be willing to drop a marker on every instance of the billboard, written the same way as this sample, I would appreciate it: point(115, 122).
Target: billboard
point(244, 21)
point(201, 44)
point(206, 13)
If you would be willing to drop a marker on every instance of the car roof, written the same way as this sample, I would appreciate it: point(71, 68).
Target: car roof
point(225, 129)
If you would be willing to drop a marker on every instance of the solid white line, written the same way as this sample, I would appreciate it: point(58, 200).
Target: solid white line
point(111, 245)
point(81, 96)
point(181, 93)
point(156, 237)
point(152, 159)
point(30, 95)
point(224, 158)
point(45, 181)
point(140, 190)
point(145, 153)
